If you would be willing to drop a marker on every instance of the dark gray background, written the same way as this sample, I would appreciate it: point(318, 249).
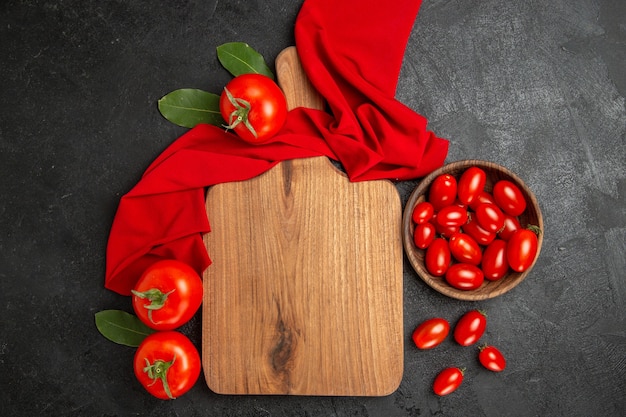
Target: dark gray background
point(537, 86)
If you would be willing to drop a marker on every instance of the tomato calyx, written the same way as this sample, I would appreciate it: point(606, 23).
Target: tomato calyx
point(156, 297)
point(240, 114)
point(535, 229)
point(158, 371)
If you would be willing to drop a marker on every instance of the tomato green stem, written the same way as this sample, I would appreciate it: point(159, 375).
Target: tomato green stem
point(240, 114)
point(158, 371)
point(156, 297)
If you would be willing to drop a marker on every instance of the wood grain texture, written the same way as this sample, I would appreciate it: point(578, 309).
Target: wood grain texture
point(304, 296)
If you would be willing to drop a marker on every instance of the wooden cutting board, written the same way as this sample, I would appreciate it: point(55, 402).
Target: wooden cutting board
point(304, 296)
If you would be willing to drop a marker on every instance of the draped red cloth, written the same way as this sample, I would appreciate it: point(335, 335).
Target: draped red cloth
point(352, 52)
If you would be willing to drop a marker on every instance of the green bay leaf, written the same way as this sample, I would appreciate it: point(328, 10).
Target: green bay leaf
point(188, 107)
point(240, 58)
point(121, 327)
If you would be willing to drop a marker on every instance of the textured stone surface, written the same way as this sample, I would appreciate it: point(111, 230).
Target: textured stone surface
point(536, 86)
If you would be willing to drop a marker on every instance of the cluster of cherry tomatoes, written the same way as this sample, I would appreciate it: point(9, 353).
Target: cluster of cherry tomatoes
point(470, 234)
point(468, 330)
point(167, 296)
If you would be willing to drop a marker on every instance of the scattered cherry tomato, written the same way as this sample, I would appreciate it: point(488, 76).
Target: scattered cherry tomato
point(423, 212)
point(437, 257)
point(447, 381)
point(452, 216)
point(167, 294)
point(464, 249)
point(471, 184)
point(491, 358)
point(254, 107)
point(480, 235)
point(431, 333)
point(470, 327)
point(424, 234)
point(464, 276)
point(442, 191)
point(490, 217)
point(511, 224)
point(509, 197)
point(494, 263)
point(521, 249)
point(167, 364)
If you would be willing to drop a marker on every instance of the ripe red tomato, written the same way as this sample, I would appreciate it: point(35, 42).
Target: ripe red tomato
point(483, 197)
point(511, 224)
point(167, 294)
point(167, 364)
point(494, 263)
point(464, 276)
point(431, 333)
point(509, 197)
point(521, 249)
point(471, 184)
point(437, 259)
point(442, 191)
point(470, 327)
point(452, 216)
point(464, 249)
point(447, 381)
point(422, 212)
point(445, 231)
point(254, 107)
point(480, 235)
point(491, 358)
point(490, 217)
point(424, 234)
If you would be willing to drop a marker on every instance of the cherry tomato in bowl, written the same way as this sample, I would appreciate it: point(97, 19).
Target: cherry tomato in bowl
point(521, 249)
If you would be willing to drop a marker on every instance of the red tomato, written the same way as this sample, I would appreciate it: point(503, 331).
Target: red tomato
point(494, 263)
point(509, 197)
point(431, 333)
point(452, 216)
point(442, 191)
point(483, 197)
point(464, 276)
point(470, 327)
point(167, 364)
point(424, 234)
point(464, 249)
point(254, 107)
point(521, 250)
point(437, 257)
point(480, 235)
point(489, 217)
point(423, 212)
point(471, 184)
point(447, 381)
point(511, 224)
point(445, 231)
point(491, 358)
point(167, 295)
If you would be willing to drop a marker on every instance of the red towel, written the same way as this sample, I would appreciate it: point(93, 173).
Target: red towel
point(352, 51)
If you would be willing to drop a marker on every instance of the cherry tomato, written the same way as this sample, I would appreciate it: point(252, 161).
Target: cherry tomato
point(423, 212)
point(167, 364)
point(511, 224)
point(490, 217)
point(445, 231)
point(254, 107)
point(521, 249)
point(483, 197)
point(464, 249)
point(470, 327)
point(167, 294)
point(437, 259)
point(442, 191)
point(431, 333)
point(447, 381)
point(491, 358)
point(452, 216)
point(464, 276)
point(424, 234)
point(471, 184)
point(480, 235)
point(509, 197)
point(494, 263)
